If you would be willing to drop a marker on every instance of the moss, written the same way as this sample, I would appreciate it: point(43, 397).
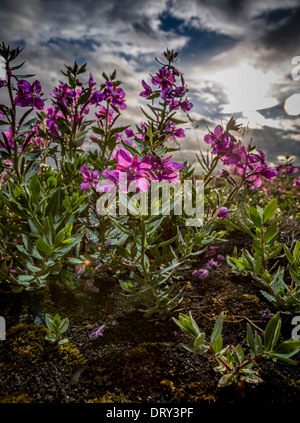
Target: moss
point(99, 374)
point(146, 350)
point(195, 393)
point(168, 385)
point(251, 298)
point(27, 344)
point(111, 397)
point(66, 354)
point(15, 398)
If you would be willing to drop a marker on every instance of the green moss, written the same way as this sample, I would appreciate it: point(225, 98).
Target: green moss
point(15, 398)
point(111, 397)
point(146, 350)
point(251, 298)
point(27, 344)
point(195, 393)
point(168, 385)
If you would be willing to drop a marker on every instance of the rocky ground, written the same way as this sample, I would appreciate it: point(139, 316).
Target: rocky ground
point(135, 360)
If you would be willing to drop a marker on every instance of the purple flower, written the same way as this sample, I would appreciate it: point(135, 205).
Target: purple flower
point(97, 97)
point(220, 257)
point(51, 120)
point(296, 182)
point(129, 132)
point(29, 95)
point(213, 136)
point(186, 106)
point(222, 213)
point(115, 96)
point(89, 178)
point(165, 79)
point(137, 170)
point(167, 170)
point(97, 332)
point(2, 82)
point(211, 251)
point(211, 263)
point(148, 90)
point(201, 273)
point(62, 94)
point(265, 313)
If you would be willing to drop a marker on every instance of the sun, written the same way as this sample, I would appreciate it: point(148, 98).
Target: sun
point(248, 90)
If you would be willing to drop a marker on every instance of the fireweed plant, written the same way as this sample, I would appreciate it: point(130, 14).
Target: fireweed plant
point(53, 215)
point(235, 366)
point(279, 284)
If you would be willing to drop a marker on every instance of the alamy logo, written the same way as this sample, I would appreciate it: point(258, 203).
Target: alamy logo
point(296, 330)
point(2, 329)
point(161, 199)
point(296, 69)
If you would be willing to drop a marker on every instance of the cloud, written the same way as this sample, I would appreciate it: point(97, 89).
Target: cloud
point(235, 55)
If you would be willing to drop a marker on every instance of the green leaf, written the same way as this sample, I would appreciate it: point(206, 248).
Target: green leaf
point(32, 268)
point(271, 233)
point(226, 380)
point(270, 210)
point(288, 254)
point(49, 321)
point(199, 349)
point(258, 344)
point(288, 348)
point(31, 169)
point(64, 325)
point(217, 329)
point(199, 340)
point(43, 246)
point(272, 332)
point(218, 344)
point(250, 339)
point(255, 217)
point(25, 278)
point(84, 97)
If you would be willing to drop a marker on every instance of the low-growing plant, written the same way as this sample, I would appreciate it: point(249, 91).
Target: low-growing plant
point(57, 327)
point(269, 276)
point(233, 363)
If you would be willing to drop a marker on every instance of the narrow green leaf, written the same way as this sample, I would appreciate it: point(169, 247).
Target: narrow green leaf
point(270, 210)
point(217, 329)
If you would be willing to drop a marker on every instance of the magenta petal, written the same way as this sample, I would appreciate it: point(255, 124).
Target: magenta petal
point(36, 86)
point(86, 173)
point(85, 186)
point(105, 186)
point(39, 104)
point(175, 166)
point(124, 158)
point(24, 85)
point(141, 184)
point(208, 139)
point(218, 131)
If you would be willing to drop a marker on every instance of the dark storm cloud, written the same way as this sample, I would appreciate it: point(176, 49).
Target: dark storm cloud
point(285, 36)
point(126, 35)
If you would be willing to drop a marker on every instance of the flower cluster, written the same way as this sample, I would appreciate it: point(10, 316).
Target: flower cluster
point(132, 172)
point(29, 95)
point(66, 99)
point(240, 160)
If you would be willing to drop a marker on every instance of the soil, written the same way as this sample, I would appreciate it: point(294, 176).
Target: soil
point(136, 360)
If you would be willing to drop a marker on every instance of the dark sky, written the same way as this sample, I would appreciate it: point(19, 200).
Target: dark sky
point(236, 56)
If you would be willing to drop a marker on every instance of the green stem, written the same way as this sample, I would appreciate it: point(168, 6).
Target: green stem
point(143, 250)
point(219, 358)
